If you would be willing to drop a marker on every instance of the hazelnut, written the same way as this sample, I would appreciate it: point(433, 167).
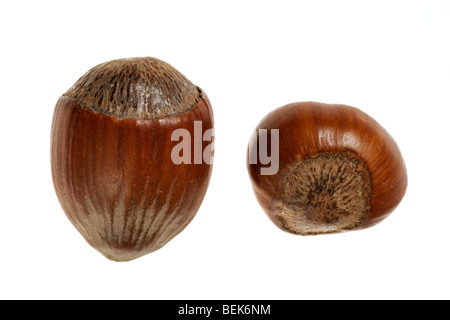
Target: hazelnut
point(337, 169)
point(112, 148)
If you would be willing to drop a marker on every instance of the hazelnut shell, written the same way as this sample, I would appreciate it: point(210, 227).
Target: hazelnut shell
point(111, 156)
point(334, 148)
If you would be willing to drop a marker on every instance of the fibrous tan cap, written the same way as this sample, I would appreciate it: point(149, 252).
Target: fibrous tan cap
point(141, 88)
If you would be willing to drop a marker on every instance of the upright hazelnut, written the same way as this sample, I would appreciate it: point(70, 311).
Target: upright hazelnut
point(112, 149)
point(338, 169)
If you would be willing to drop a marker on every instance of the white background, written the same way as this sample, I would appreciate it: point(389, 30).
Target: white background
point(388, 58)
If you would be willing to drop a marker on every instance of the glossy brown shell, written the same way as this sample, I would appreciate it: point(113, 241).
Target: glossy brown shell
point(115, 179)
point(308, 128)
